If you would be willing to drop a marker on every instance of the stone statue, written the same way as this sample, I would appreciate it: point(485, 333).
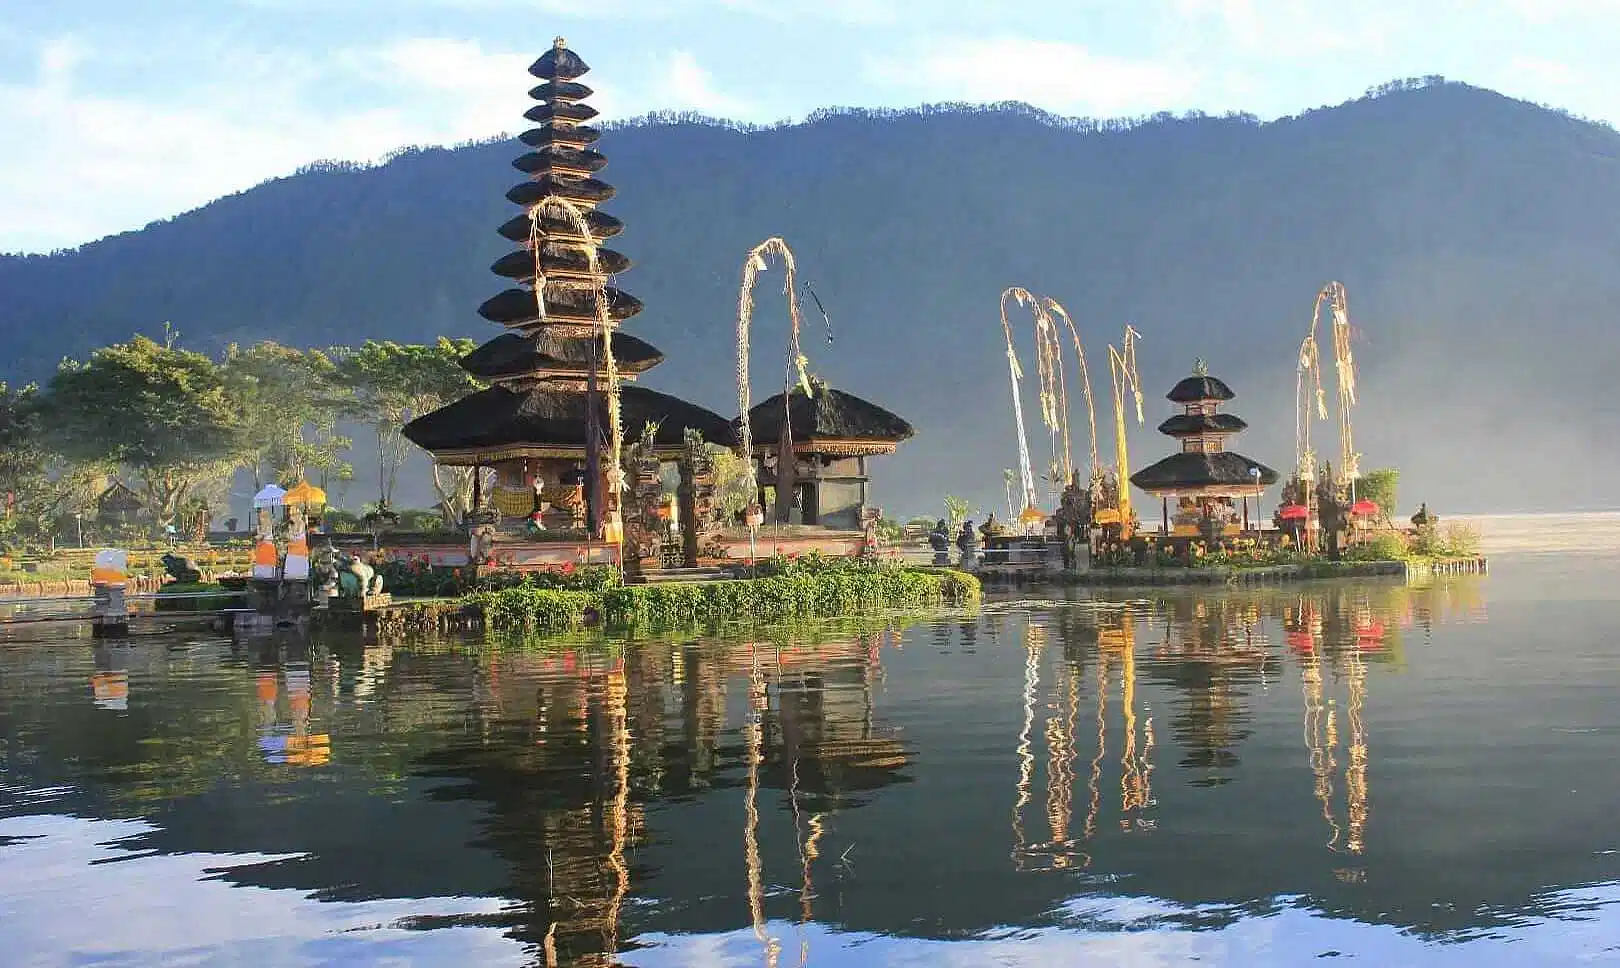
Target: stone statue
point(1073, 521)
point(359, 580)
point(182, 569)
point(482, 546)
point(968, 543)
point(939, 540)
point(323, 568)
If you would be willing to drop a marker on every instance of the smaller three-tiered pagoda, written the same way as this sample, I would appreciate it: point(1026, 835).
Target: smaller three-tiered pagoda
point(1206, 479)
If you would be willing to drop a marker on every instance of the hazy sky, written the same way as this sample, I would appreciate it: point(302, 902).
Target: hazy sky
point(116, 112)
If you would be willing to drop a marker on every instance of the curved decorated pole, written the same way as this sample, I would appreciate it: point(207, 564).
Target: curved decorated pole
point(614, 526)
point(1122, 366)
point(1026, 476)
point(1054, 400)
point(1054, 308)
point(1333, 295)
point(753, 264)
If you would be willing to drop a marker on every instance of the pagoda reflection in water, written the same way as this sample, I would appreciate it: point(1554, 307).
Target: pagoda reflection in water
point(610, 735)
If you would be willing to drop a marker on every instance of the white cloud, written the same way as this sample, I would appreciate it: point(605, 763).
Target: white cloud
point(81, 163)
point(1296, 28)
point(1061, 77)
point(1542, 74)
point(1540, 12)
point(688, 86)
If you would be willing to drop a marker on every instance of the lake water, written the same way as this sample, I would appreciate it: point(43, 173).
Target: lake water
point(1371, 771)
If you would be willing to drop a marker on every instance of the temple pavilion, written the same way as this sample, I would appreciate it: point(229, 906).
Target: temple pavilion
point(544, 420)
point(831, 434)
point(1206, 479)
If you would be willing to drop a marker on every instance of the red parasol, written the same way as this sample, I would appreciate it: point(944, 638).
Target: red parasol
point(1293, 512)
point(1364, 508)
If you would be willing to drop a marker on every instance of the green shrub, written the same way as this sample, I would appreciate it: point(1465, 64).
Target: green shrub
point(525, 609)
point(1460, 540)
point(1385, 546)
point(775, 598)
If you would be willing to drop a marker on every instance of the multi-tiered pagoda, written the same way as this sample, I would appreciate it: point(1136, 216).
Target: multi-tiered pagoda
point(545, 418)
point(1206, 479)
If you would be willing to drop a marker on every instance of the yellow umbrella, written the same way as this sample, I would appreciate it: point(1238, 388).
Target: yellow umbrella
point(1032, 515)
point(304, 493)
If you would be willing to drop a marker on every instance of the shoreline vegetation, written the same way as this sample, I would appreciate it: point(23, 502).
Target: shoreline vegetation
point(552, 603)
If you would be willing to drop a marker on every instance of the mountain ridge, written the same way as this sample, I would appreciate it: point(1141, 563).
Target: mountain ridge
point(1468, 228)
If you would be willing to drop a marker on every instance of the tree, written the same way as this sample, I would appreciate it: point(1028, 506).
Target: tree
point(731, 490)
point(289, 400)
point(36, 489)
point(1382, 488)
point(956, 511)
point(160, 412)
point(393, 384)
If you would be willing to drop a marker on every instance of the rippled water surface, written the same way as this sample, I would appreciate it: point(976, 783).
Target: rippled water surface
point(1393, 774)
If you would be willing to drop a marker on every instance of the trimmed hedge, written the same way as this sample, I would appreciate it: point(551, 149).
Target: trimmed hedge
point(770, 599)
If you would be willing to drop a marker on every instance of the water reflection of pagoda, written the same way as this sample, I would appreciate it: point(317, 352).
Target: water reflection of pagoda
point(568, 796)
point(1210, 649)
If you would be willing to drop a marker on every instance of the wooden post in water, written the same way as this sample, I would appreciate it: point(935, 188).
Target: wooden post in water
point(108, 577)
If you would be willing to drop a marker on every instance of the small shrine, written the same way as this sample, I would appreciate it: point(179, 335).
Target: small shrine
point(543, 424)
point(830, 434)
point(1206, 479)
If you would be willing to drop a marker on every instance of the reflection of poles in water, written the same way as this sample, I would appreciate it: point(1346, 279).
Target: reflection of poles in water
point(1094, 786)
point(755, 732)
point(1060, 765)
point(792, 743)
point(1355, 775)
point(1320, 752)
point(1134, 786)
point(619, 730)
point(1026, 759)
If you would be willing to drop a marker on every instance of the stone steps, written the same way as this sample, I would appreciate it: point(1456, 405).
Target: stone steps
point(667, 576)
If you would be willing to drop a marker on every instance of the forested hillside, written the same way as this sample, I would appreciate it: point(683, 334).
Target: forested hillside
point(1477, 237)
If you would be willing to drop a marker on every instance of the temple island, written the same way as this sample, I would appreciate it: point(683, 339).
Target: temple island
point(1211, 523)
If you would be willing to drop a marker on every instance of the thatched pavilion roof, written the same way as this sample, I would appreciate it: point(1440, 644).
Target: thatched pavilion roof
point(831, 415)
point(499, 422)
point(1188, 473)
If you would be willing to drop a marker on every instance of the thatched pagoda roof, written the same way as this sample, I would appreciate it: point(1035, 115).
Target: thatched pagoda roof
point(829, 416)
point(1190, 425)
point(560, 111)
point(559, 63)
point(515, 307)
point(572, 135)
point(557, 256)
point(590, 191)
point(561, 91)
point(559, 157)
point(499, 423)
point(1198, 388)
point(555, 226)
point(512, 354)
point(1191, 473)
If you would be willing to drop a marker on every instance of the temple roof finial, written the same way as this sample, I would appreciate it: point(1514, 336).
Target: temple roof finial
point(1199, 369)
point(558, 43)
